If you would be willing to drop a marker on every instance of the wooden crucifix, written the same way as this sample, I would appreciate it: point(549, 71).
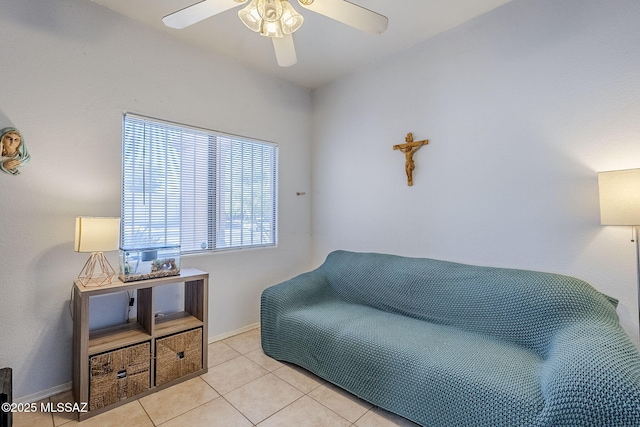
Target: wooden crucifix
point(408, 149)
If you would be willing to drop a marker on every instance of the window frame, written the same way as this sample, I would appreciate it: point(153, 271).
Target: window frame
point(268, 153)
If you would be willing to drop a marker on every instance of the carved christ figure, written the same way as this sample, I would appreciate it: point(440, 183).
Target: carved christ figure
point(409, 148)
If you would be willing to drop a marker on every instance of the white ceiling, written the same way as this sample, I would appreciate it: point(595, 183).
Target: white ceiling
point(325, 48)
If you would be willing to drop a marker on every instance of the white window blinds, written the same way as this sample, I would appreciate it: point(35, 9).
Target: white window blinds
point(201, 189)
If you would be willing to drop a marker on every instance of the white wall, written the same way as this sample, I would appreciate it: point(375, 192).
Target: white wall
point(70, 69)
point(522, 106)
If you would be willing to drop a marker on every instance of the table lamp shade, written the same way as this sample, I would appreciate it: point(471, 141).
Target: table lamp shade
point(97, 234)
point(619, 197)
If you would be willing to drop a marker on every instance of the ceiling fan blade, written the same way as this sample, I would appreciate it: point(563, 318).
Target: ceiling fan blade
point(199, 11)
point(285, 50)
point(350, 14)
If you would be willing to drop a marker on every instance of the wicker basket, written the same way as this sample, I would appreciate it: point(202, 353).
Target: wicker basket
point(178, 355)
point(119, 374)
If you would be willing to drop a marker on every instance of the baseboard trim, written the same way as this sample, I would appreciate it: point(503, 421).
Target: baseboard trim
point(44, 394)
point(232, 333)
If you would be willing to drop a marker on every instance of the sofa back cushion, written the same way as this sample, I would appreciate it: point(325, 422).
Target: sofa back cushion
point(524, 307)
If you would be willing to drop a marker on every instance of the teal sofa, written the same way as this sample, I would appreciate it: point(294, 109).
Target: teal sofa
point(447, 344)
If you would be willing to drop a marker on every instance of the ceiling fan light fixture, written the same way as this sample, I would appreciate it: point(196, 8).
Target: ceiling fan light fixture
point(250, 16)
point(271, 18)
point(291, 20)
point(270, 10)
point(271, 29)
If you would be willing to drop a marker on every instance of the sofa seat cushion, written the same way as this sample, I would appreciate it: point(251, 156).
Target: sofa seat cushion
point(414, 367)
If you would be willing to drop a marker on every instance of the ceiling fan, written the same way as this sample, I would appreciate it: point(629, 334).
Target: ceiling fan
point(277, 19)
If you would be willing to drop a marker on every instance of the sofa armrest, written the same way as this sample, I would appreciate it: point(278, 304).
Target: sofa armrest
point(303, 290)
point(591, 376)
point(277, 301)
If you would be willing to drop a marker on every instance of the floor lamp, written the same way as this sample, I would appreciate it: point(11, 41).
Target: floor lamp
point(97, 235)
point(620, 205)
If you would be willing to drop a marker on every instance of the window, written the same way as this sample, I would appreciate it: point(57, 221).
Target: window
point(201, 189)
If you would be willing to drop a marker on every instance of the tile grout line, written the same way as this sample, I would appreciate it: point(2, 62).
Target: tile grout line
point(147, 413)
point(239, 411)
point(280, 410)
point(352, 423)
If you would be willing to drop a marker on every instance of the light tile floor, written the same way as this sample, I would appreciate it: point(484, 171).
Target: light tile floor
point(243, 388)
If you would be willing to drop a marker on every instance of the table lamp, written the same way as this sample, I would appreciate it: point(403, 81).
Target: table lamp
point(620, 205)
point(97, 235)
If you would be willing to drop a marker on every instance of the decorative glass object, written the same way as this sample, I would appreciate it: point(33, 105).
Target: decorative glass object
point(149, 262)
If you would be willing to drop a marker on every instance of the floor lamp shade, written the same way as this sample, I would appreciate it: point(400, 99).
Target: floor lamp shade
point(97, 235)
point(620, 197)
point(620, 205)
